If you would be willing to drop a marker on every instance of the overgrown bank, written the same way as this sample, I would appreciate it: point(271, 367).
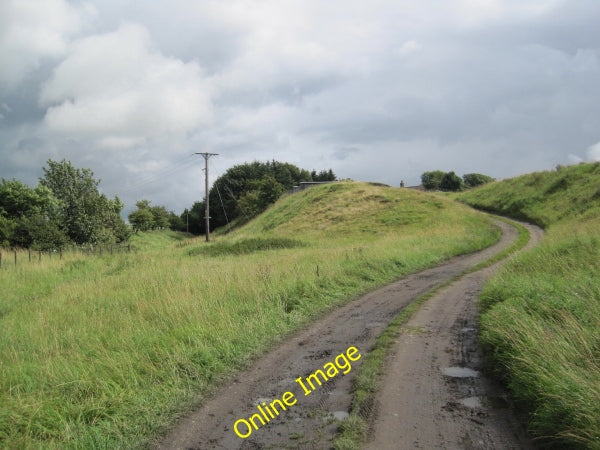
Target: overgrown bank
point(103, 352)
point(542, 311)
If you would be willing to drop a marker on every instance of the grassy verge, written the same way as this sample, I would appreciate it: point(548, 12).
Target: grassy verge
point(541, 322)
point(104, 352)
point(542, 311)
point(353, 430)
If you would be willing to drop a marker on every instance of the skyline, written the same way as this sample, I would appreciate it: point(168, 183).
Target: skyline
point(380, 92)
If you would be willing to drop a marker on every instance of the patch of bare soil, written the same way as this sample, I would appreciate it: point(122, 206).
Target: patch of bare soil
point(310, 421)
point(434, 394)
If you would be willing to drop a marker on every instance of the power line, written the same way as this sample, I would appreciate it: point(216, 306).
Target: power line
point(223, 206)
point(161, 174)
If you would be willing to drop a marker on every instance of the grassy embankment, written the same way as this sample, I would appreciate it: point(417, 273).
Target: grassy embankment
point(541, 313)
point(353, 430)
point(102, 352)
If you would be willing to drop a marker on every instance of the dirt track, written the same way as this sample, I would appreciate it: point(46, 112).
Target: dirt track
point(433, 394)
point(432, 416)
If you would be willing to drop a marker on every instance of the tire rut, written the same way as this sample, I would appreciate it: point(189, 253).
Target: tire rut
point(312, 421)
point(433, 392)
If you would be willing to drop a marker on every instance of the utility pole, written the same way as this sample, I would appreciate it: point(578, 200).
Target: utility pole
point(206, 213)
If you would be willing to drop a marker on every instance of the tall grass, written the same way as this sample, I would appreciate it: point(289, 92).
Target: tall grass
point(542, 312)
point(104, 352)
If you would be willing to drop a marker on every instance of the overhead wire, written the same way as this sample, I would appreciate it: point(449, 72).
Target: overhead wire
point(223, 206)
point(153, 177)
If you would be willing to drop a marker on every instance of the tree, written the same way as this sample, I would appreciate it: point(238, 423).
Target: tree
point(177, 223)
point(161, 217)
point(265, 192)
point(323, 175)
point(476, 179)
point(195, 218)
point(86, 215)
point(39, 233)
point(432, 180)
point(18, 200)
point(7, 228)
point(28, 217)
point(148, 217)
point(141, 219)
point(451, 182)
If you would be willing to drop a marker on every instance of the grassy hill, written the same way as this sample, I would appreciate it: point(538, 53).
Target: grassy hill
point(543, 198)
point(104, 351)
point(542, 312)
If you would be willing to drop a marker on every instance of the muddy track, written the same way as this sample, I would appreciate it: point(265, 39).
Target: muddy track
point(433, 393)
point(311, 421)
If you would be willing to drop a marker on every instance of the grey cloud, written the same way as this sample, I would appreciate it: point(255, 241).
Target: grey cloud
point(379, 92)
point(345, 152)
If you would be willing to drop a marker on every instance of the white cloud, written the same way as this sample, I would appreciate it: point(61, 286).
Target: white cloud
point(593, 152)
point(574, 159)
point(32, 30)
point(409, 47)
point(116, 89)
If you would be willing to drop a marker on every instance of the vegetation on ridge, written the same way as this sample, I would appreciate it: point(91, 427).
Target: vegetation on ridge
point(542, 311)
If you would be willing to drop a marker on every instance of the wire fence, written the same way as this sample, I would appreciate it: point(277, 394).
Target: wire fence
point(15, 256)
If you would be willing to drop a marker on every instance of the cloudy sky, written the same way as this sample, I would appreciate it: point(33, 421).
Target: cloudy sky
point(380, 90)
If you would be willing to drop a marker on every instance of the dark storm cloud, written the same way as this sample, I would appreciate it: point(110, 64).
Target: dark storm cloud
point(377, 91)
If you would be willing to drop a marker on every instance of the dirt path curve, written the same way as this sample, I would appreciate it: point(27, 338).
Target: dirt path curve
point(310, 422)
point(433, 394)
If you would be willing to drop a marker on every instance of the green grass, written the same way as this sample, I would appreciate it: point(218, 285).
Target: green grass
point(244, 246)
point(104, 352)
point(543, 198)
point(353, 430)
point(542, 311)
point(156, 240)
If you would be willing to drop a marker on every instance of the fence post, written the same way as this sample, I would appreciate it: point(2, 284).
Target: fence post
point(15, 257)
point(29, 253)
point(60, 252)
point(0, 259)
point(40, 256)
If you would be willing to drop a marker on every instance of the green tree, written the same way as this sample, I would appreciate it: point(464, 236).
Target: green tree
point(29, 217)
point(451, 182)
point(177, 223)
point(86, 215)
point(39, 233)
point(18, 200)
point(195, 218)
point(432, 181)
point(160, 216)
point(476, 179)
point(250, 204)
point(7, 228)
point(323, 175)
point(148, 217)
point(141, 219)
point(265, 192)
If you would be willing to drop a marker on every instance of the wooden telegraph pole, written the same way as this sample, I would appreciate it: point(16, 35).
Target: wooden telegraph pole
point(206, 212)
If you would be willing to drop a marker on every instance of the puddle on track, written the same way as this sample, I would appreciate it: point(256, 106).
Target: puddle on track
point(340, 415)
point(460, 372)
point(471, 402)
